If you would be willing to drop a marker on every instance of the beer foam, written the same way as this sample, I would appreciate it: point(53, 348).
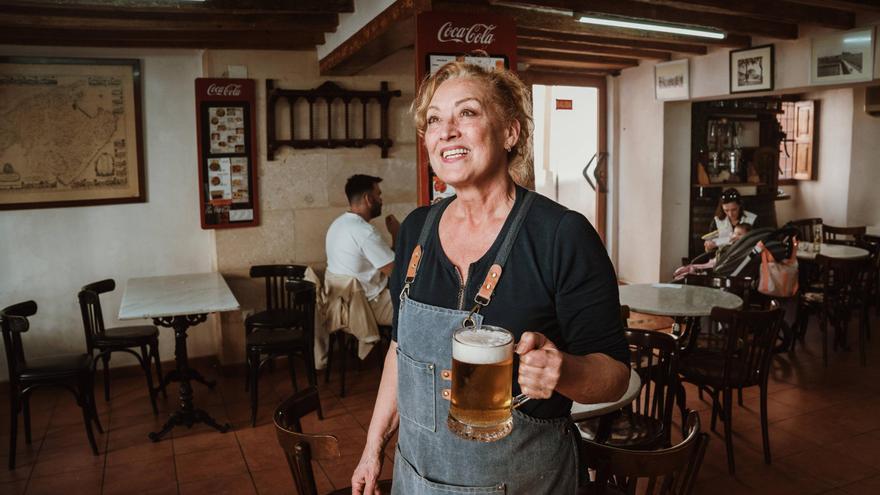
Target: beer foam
point(482, 347)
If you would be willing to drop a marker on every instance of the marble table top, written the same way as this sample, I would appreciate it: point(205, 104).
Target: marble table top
point(676, 299)
point(174, 295)
point(805, 251)
point(580, 412)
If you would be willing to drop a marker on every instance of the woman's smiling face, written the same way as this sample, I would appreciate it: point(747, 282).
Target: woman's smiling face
point(463, 136)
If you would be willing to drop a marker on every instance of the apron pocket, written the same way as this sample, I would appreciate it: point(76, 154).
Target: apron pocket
point(407, 480)
point(415, 391)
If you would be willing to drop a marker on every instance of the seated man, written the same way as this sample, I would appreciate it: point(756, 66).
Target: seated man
point(356, 249)
point(740, 230)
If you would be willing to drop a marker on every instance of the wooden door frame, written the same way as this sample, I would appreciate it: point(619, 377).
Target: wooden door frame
point(552, 78)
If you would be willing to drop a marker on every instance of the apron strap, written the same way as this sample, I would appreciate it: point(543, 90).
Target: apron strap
point(484, 295)
point(416, 257)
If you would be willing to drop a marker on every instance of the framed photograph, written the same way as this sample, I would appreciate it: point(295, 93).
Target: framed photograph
point(843, 57)
point(751, 69)
point(70, 132)
point(672, 80)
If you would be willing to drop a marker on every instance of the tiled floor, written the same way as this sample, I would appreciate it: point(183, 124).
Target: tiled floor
point(825, 436)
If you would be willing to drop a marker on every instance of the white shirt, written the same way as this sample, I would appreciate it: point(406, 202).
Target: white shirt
point(725, 230)
point(356, 249)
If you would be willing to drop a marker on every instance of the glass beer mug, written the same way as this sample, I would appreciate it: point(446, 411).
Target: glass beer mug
point(482, 381)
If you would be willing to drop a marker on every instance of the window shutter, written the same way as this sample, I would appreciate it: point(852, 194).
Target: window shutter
point(803, 140)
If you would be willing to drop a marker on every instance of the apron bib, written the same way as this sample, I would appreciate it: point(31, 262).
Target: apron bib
point(538, 457)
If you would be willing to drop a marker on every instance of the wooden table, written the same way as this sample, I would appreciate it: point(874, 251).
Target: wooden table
point(840, 251)
point(179, 302)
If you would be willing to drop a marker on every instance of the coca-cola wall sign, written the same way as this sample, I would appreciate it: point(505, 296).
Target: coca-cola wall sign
point(231, 89)
point(475, 33)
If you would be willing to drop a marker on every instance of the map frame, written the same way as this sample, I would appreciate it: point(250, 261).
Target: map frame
point(135, 190)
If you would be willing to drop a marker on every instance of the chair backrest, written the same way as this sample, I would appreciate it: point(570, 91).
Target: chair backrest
point(747, 344)
point(624, 315)
point(654, 356)
point(90, 307)
point(277, 276)
point(301, 448)
point(844, 280)
point(805, 228)
point(849, 236)
point(13, 323)
point(669, 471)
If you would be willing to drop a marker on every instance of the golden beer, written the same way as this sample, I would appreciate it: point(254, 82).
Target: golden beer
point(482, 371)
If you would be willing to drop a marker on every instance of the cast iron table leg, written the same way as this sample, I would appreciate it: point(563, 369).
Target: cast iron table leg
point(186, 414)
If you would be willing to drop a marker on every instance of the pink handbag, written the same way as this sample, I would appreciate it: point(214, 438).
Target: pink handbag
point(778, 278)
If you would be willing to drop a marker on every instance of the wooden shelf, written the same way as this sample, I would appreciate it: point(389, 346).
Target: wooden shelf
point(730, 184)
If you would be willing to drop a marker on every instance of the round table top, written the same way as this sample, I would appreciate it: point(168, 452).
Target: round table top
point(676, 299)
point(580, 412)
point(805, 251)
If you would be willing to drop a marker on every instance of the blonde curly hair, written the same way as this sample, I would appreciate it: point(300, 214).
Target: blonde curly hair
point(509, 98)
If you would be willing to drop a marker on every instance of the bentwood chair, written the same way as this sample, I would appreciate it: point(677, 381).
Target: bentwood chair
point(648, 423)
point(669, 471)
point(849, 236)
point(740, 359)
point(285, 328)
point(106, 341)
point(805, 226)
point(72, 372)
point(301, 448)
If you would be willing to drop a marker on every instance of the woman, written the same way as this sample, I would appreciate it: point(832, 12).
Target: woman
point(559, 285)
point(728, 214)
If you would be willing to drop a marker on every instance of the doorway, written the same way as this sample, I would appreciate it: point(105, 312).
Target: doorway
point(570, 165)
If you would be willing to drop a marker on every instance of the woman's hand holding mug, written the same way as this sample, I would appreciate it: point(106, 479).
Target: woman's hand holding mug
point(540, 365)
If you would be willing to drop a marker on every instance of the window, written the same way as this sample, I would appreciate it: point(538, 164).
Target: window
point(796, 148)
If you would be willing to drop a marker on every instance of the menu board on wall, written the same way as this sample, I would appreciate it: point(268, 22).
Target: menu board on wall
point(443, 37)
point(227, 152)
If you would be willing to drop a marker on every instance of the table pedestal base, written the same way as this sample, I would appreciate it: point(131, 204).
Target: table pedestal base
point(186, 414)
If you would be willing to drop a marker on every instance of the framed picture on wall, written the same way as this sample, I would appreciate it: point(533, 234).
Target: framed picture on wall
point(751, 69)
point(672, 80)
point(843, 57)
point(71, 131)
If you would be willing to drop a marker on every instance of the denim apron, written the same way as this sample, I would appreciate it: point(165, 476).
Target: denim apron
point(538, 457)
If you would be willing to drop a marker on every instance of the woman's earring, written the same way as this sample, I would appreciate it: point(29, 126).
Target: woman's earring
point(507, 148)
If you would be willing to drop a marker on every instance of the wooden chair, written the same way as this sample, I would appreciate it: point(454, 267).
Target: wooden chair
point(844, 289)
point(301, 448)
point(805, 228)
point(849, 236)
point(743, 360)
point(118, 339)
point(648, 424)
point(670, 471)
point(72, 372)
point(285, 328)
point(872, 244)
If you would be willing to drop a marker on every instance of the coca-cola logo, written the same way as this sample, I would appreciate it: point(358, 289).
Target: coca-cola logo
point(224, 90)
point(477, 34)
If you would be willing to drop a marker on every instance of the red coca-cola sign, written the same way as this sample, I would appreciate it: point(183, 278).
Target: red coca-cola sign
point(224, 90)
point(474, 34)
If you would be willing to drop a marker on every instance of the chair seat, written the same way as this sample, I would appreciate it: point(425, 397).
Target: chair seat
point(274, 318)
point(705, 367)
point(632, 431)
point(141, 334)
point(814, 297)
point(55, 367)
point(274, 339)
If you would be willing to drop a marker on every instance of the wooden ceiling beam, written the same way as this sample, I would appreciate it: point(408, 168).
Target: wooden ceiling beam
point(663, 13)
point(275, 40)
point(563, 24)
point(321, 23)
point(569, 77)
point(779, 9)
point(557, 59)
point(871, 5)
point(525, 42)
point(607, 41)
point(89, 8)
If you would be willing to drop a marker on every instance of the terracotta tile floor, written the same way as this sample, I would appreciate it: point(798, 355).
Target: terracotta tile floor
point(825, 435)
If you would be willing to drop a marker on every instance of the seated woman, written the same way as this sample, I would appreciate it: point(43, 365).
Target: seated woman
point(738, 231)
point(728, 215)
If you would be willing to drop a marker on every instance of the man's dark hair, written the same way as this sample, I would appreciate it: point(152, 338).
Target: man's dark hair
point(359, 184)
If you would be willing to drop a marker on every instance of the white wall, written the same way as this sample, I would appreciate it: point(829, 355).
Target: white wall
point(864, 202)
point(48, 254)
point(676, 186)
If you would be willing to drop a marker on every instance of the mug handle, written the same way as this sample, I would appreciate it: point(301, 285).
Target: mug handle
point(519, 400)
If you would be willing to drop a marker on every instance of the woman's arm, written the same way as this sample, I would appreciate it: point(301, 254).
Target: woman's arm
point(383, 424)
point(586, 379)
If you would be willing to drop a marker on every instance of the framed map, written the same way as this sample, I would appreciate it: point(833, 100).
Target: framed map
point(70, 132)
